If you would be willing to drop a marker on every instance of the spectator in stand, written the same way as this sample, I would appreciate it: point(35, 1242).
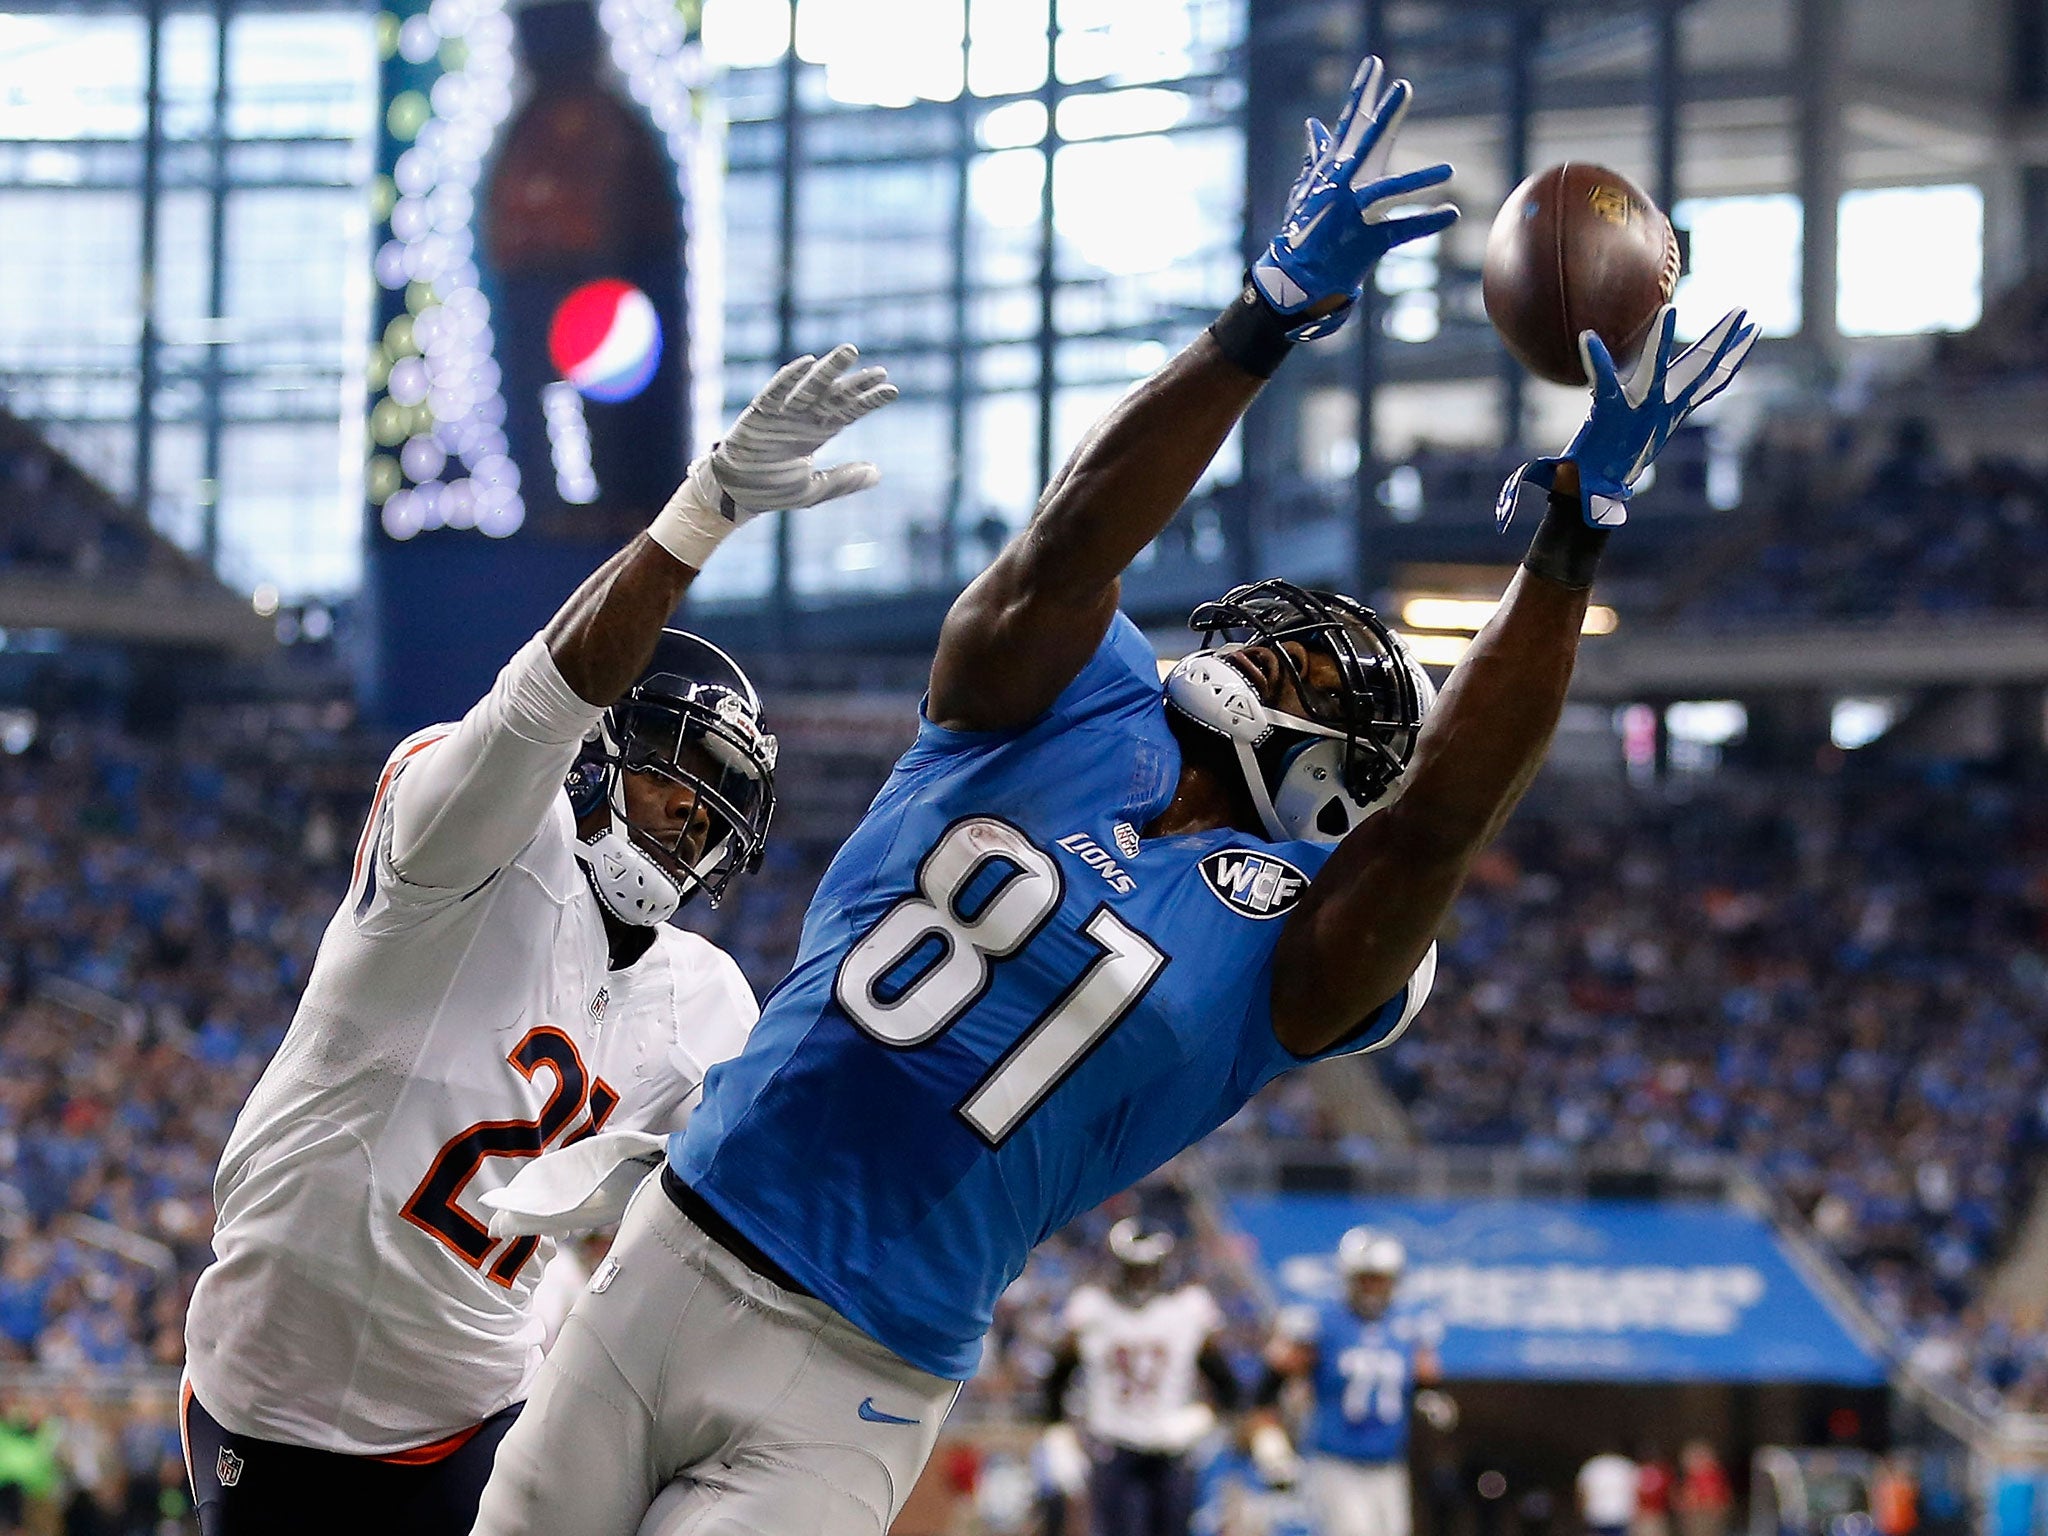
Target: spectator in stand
point(1653, 1495)
point(1704, 1499)
point(1607, 1494)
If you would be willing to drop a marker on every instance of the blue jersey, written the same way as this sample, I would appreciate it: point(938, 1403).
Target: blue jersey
point(1004, 1010)
point(1364, 1384)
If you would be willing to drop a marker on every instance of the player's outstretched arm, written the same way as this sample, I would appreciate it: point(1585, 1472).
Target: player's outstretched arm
point(468, 806)
point(1027, 625)
point(1371, 914)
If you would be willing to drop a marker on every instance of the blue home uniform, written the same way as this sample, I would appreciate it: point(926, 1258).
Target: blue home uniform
point(1004, 1010)
point(1364, 1385)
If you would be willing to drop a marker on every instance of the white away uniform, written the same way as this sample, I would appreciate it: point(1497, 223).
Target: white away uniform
point(460, 1018)
point(1139, 1374)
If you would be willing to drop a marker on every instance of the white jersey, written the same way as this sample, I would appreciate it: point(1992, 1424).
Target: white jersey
point(461, 1017)
point(1139, 1365)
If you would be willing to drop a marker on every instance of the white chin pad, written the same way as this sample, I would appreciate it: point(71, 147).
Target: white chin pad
point(632, 886)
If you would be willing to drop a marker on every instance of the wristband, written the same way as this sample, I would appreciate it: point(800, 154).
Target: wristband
point(692, 525)
point(1252, 334)
point(1565, 550)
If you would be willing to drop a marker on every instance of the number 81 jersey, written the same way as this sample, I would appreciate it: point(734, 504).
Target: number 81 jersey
point(1005, 1008)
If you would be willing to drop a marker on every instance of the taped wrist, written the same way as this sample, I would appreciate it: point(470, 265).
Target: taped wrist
point(1252, 334)
point(692, 525)
point(1565, 550)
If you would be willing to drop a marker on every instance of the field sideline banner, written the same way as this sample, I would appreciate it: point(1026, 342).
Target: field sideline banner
point(1580, 1291)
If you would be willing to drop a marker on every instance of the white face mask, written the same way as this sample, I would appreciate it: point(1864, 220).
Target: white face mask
point(1309, 803)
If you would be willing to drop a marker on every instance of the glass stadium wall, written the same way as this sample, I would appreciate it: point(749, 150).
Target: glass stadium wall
point(184, 281)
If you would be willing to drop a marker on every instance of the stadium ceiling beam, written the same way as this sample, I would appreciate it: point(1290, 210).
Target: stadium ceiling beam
point(149, 613)
point(1476, 93)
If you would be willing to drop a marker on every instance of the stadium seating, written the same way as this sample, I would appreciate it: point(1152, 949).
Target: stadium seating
point(1805, 972)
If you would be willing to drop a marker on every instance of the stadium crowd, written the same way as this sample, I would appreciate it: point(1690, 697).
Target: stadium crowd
point(1917, 534)
point(1814, 976)
point(1811, 974)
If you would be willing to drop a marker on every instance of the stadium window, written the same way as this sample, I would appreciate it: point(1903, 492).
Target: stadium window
point(1006, 47)
point(1745, 253)
point(745, 34)
point(1126, 206)
point(884, 53)
point(1910, 260)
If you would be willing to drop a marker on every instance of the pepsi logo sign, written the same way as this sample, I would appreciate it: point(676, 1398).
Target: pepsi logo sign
point(605, 339)
point(1254, 884)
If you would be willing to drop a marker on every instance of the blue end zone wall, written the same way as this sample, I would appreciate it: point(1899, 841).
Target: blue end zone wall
point(1582, 1291)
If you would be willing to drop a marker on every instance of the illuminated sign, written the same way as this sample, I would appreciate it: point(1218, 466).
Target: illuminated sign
point(466, 430)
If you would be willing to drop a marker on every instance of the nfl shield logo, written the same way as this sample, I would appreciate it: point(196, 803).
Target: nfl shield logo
point(599, 1004)
point(228, 1468)
point(1126, 838)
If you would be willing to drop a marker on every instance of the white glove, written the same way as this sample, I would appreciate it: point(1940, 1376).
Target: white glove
point(1064, 1461)
point(764, 463)
point(1439, 1408)
point(575, 1189)
point(1273, 1456)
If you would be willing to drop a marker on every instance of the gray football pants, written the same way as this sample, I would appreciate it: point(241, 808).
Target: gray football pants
point(760, 1412)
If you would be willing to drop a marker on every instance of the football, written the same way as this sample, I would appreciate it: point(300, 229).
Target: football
point(1577, 248)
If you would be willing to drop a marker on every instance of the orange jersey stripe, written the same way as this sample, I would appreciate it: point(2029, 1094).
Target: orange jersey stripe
point(391, 768)
point(427, 1455)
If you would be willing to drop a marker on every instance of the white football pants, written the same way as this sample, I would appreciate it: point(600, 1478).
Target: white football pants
point(758, 1411)
point(1350, 1498)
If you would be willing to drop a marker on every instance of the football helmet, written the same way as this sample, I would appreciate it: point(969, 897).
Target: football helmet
point(1140, 1245)
point(1367, 1251)
point(693, 718)
point(1317, 775)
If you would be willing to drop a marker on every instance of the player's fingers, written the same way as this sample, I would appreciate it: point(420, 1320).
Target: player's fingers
point(1318, 140)
point(1402, 225)
point(1599, 365)
point(1654, 366)
point(871, 397)
point(839, 480)
point(777, 389)
point(1365, 86)
point(860, 380)
point(1377, 145)
point(1695, 360)
point(1725, 366)
point(1384, 189)
point(814, 385)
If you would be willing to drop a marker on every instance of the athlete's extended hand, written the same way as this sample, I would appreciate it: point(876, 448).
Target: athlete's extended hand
point(1633, 418)
point(1339, 219)
point(764, 463)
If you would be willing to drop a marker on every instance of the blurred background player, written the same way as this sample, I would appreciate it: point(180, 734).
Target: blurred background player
point(1143, 1352)
point(500, 979)
point(1608, 1494)
point(1362, 1367)
point(995, 1022)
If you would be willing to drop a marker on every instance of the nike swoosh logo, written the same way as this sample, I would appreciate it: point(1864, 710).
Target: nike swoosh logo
point(874, 1415)
point(1309, 228)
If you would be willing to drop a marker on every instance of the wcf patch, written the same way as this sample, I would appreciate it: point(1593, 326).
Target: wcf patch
point(1254, 884)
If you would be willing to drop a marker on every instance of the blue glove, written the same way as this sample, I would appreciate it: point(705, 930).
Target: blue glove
point(1633, 419)
point(1338, 223)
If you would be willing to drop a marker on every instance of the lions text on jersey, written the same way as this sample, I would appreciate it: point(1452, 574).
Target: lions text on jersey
point(461, 1018)
point(1005, 1009)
